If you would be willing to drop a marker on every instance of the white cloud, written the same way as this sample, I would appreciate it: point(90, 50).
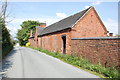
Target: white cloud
point(93, 4)
point(87, 7)
point(61, 15)
point(47, 20)
point(111, 25)
point(96, 3)
point(13, 30)
point(14, 25)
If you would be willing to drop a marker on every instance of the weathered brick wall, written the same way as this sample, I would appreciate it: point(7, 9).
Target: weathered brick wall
point(32, 42)
point(103, 50)
point(53, 42)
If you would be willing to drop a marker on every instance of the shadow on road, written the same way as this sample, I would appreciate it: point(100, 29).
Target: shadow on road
point(7, 62)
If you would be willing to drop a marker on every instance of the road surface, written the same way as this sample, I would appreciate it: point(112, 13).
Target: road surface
point(28, 63)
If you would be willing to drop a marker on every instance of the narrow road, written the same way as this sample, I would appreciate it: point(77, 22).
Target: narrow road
point(28, 63)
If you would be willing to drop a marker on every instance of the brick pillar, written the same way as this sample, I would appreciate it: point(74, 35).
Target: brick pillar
point(30, 33)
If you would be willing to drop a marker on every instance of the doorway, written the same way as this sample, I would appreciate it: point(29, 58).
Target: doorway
point(64, 43)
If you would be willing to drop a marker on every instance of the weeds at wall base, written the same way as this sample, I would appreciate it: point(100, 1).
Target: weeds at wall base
point(108, 73)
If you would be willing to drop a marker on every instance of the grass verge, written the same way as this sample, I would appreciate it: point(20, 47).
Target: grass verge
point(108, 73)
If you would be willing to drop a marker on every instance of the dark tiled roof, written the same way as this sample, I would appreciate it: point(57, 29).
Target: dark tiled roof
point(63, 24)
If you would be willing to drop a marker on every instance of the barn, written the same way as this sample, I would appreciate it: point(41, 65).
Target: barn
point(57, 36)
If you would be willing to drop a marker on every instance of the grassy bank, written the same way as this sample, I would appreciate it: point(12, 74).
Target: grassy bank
point(84, 64)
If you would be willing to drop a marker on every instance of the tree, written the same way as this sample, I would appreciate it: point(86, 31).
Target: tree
point(3, 9)
point(24, 33)
point(5, 39)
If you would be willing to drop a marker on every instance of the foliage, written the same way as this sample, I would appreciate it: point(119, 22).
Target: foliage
point(6, 40)
point(111, 73)
point(27, 44)
point(24, 33)
point(14, 42)
point(0, 39)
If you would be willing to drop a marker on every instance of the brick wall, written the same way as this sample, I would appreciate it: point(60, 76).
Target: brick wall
point(89, 26)
point(53, 42)
point(103, 50)
point(32, 42)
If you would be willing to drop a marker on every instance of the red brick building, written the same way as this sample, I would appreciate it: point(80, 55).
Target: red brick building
point(57, 37)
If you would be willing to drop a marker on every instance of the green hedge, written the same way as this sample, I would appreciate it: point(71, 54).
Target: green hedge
point(84, 64)
point(6, 50)
point(5, 39)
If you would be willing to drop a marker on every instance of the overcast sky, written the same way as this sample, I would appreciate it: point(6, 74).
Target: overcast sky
point(50, 12)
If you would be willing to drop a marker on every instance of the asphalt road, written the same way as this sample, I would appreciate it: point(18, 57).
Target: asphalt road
point(28, 63)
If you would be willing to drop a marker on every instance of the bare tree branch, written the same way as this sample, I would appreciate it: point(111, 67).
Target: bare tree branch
point(4, 9)
point(4, 12)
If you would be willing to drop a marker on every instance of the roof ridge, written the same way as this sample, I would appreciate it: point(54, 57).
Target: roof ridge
point(70, 16)
point(65, 23)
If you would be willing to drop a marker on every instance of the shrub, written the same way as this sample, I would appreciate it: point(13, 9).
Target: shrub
point(5, 40)
point(27, 44)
